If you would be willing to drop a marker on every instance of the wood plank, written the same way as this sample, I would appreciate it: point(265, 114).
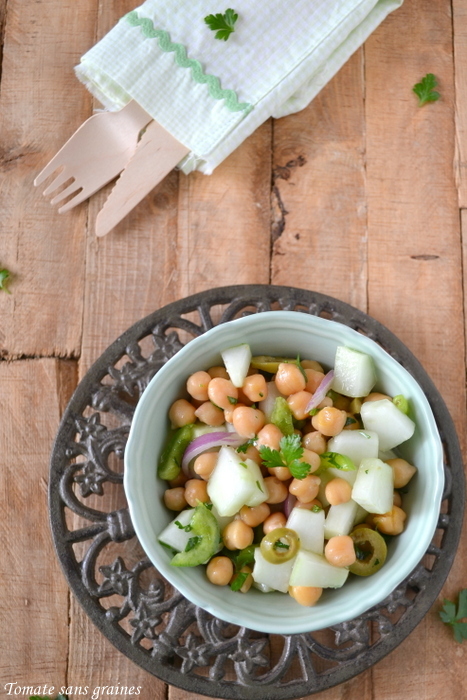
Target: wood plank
point(44, 252)
point(459, 24)
point(34, 611)
point(415, 283)
point(319, 192)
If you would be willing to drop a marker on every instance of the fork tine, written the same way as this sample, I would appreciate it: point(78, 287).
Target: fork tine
point(72, 187)
point(50, 168)
point(79, 197)
point(61, 178)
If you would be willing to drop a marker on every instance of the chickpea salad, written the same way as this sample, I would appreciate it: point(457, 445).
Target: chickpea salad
point(283, 475)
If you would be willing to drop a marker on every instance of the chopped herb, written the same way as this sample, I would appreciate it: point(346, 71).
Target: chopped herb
point(245, 466)
point(281, 545)
point(365, 435)
point(232, 400)
point(245, 556)
point(259, 486)
point(208, 506)
point(376, 562)
point(261, 394)
point(238, 580)
point(187, 528)
point(349, 421)
point(288, 455)
point(316, 509)
point(453, 616)
point(243, 448)
point(313, 411)
point(425, 90)
point(4, 276)
point(366, 471)
point(167, 546)
point(300, 367)
point(222, 24)
point(360, 553)
point(192, 542)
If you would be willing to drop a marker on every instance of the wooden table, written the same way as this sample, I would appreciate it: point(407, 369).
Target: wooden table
point(361, 196)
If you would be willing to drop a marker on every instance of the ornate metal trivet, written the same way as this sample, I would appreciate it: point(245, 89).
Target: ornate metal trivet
point(127, 599)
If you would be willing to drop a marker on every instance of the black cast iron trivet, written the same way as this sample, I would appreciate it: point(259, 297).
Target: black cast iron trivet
point(137, 610)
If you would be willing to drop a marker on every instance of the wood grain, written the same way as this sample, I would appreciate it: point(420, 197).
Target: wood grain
point(34, 594)
point(459, 24)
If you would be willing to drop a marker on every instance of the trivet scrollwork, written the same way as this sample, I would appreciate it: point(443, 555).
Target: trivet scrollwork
point(122, 593)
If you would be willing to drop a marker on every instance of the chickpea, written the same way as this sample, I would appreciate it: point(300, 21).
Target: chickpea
point(391, 523)
point(397, 499)
point(270, 436)
point(329, 421)
point(341, 402)
point(197, 385)
point(311, 458)
point(274, 521)
point(255, 388)
point(281, 473)
point(181, 413)
point(255, 515)
point(315, 441)
point(403, 472)
point(326, 403)
point(305, 595)
point(277, 490)
point(222, 392)
point(237, 535)
point(305, 489)
point(298, 403)
point(174, 499)
point(340, 551)
point(179, 480)
point(308, 505)
point(218, 372)
point(243, 398)
point(228, 412)
point(204, 464)
point(248, 581)
point(338, 491)
point(247, 421)
point(210, 414)
point(220, 570)
point(196, 490)
point(253, 454)
point(376, 396)
point(289, 379)
point(312, 364)
point(313, 379)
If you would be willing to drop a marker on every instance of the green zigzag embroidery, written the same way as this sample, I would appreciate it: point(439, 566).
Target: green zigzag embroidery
point(213, 83)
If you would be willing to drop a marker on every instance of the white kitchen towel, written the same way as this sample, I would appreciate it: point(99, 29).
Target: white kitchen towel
point(211, 94)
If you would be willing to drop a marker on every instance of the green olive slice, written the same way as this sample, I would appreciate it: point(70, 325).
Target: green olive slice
point(280, 545)
point(269, 364)
point(371, 550)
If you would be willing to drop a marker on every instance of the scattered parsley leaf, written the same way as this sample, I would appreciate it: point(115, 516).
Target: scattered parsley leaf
point(187, 528)
point(316, 509)
point(208, 506)
point(242, 464)
point(281, 545)
point(259, 486)
point(232, 400)
point(243, 448)
point(453, 616)
point(288, 456)
point(300, 367)
point(4, 276)
point(425, 90)
point(349, 421)
point(192, 542)
point(222, 24)
point(238, 580)
point(245, 556)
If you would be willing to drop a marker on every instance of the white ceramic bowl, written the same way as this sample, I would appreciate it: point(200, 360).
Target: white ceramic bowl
point(281, 333)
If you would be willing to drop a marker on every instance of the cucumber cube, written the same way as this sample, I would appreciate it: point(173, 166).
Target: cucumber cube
point(392, 426)
point(356, 444)
point(354, 372)
point(312, 569)
point(274, 576)
point(235, 482)
point(340, 519)
point(374, 486)
point(175, 536)
point(237, 363)
point(309, 526)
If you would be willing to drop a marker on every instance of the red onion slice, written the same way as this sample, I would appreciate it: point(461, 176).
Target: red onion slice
point(289, 503)
point(207, 442)
point(321, 391)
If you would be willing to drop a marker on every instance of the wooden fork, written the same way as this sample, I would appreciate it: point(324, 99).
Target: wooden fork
point(96, 153)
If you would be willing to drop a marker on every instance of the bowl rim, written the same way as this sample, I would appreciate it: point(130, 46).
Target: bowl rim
point(131, 484)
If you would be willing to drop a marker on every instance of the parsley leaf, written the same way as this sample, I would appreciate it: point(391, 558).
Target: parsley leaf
point(4, 276)
point(243, 448)
point(453, 616)
point(222, 24)
point(192, 543)
point(425, 90)
point(288, 455)
point(238, 580)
